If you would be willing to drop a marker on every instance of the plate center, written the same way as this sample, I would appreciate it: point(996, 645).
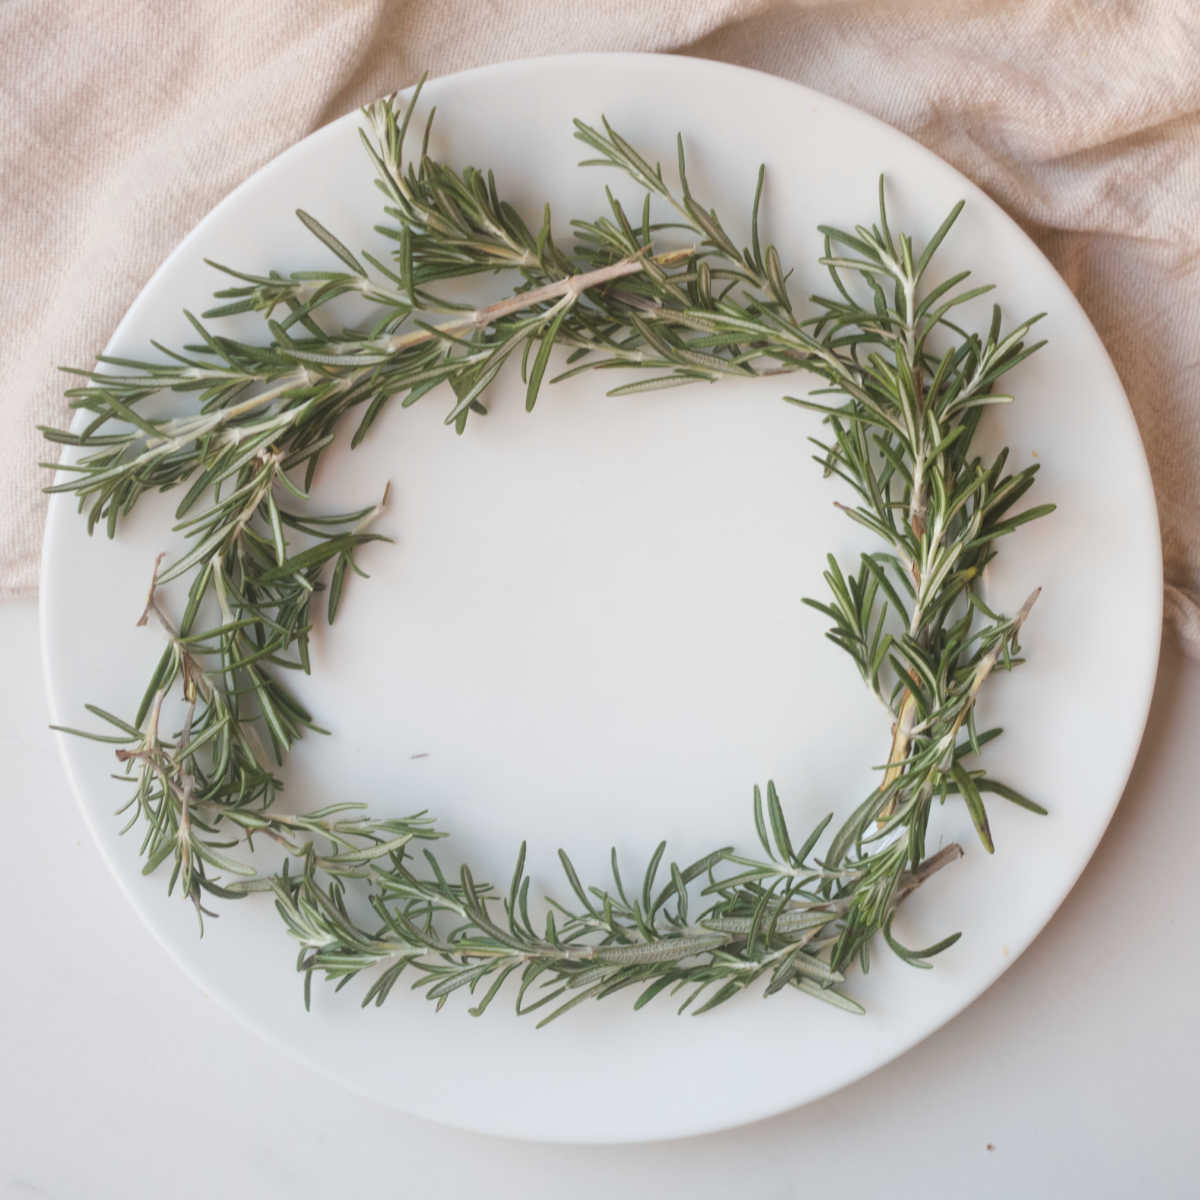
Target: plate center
point(590, 621)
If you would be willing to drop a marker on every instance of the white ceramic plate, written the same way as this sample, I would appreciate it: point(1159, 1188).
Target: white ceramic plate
point(590, 624)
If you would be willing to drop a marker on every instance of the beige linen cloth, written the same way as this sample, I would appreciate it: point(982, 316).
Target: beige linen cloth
point(124, 121)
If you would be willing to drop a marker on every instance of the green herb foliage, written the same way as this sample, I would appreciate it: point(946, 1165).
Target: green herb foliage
point(681, 301)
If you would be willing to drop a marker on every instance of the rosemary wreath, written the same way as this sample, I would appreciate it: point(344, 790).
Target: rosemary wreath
point(354, 892)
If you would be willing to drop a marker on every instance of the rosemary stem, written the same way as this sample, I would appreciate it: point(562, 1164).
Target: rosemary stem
point(987, 665)
point(176, 434)
point(572, 286)
point(911, 880)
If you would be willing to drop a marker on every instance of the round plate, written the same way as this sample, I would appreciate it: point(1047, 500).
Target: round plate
point(589, 628)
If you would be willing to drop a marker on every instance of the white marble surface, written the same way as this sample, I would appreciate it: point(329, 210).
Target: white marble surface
point(1074, 1075)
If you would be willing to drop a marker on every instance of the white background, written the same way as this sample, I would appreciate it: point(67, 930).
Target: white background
point(1078, 1068)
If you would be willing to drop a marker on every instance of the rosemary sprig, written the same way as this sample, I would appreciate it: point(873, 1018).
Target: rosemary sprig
point(899, 417)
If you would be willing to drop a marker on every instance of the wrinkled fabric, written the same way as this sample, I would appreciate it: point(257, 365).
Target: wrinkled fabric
point(125, 122)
